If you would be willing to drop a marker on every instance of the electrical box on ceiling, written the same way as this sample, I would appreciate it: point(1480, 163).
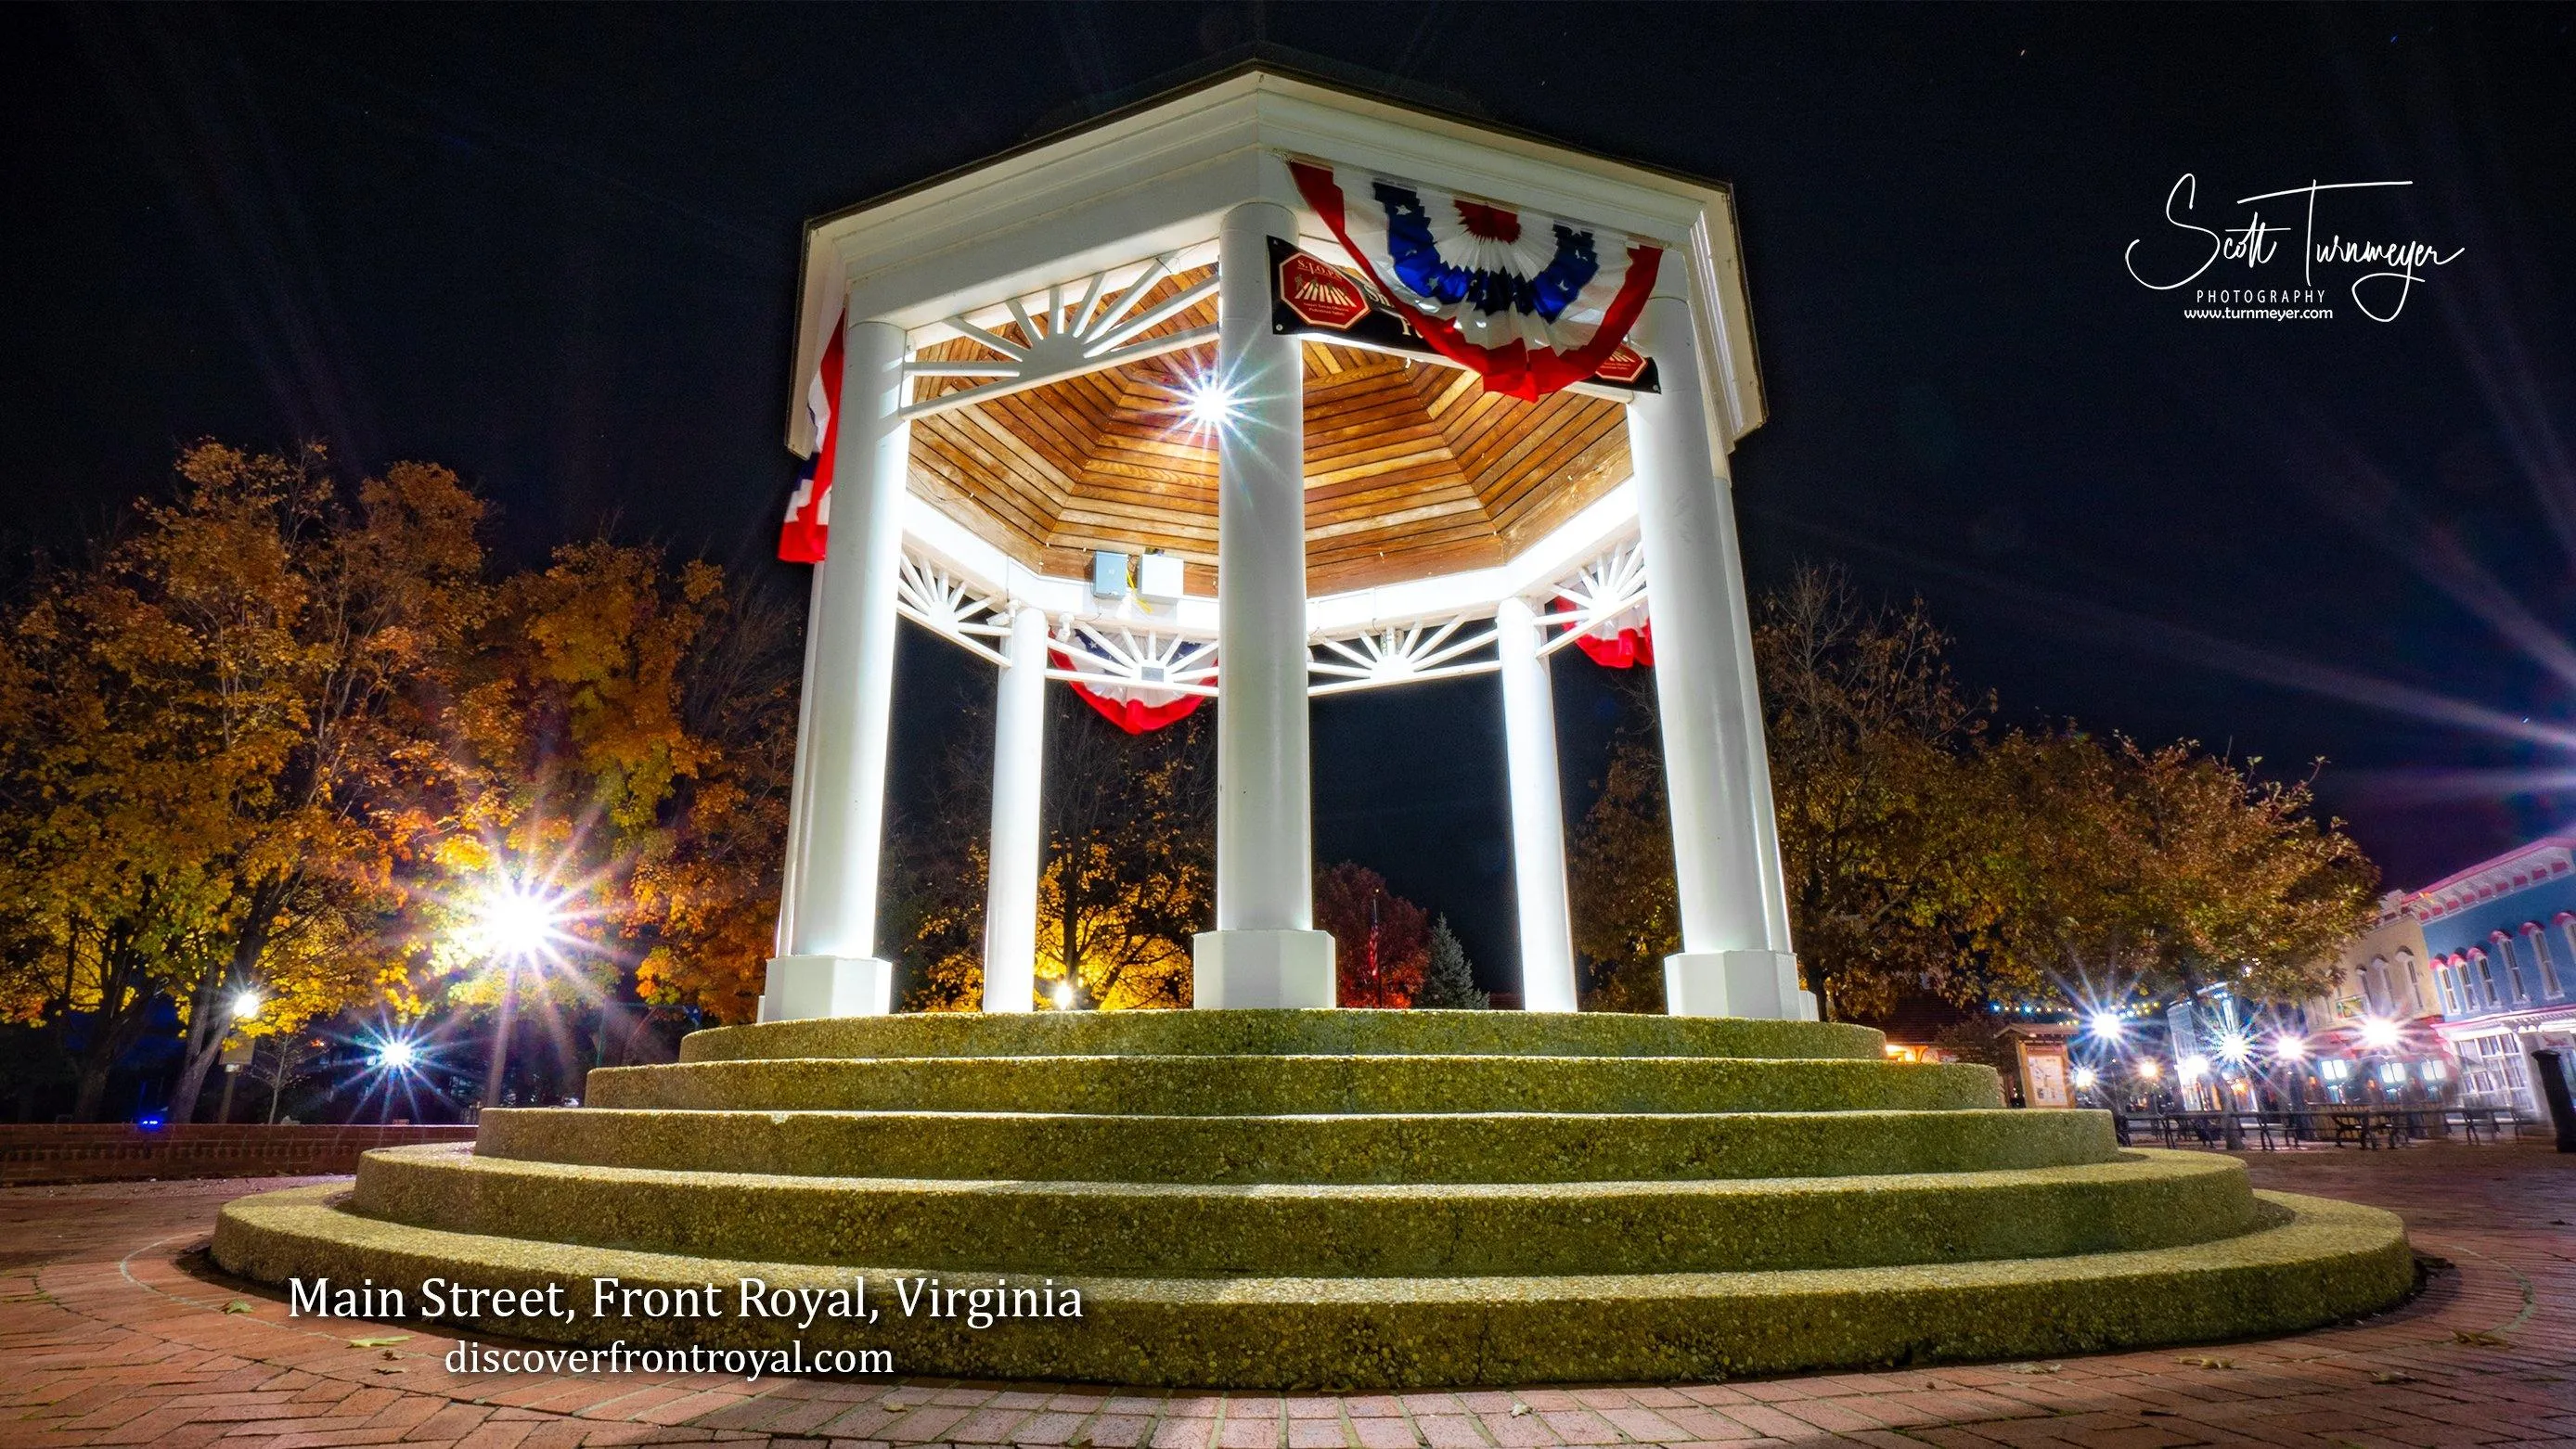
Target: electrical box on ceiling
point(1158, 578)
point(1108, 575)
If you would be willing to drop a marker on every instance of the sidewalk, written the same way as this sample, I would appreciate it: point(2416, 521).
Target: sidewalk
point(113, 1333)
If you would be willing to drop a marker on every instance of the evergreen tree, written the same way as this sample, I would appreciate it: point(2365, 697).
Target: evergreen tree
point(1449, 983)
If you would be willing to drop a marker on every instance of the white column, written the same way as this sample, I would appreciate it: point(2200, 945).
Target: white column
point(827, 963)
point(1735, 958)
point(1019, 764)
point(1538, 814)
point(802, 783)
point(1264, 950)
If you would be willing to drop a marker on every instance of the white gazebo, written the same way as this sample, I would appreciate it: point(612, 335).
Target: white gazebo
point(1140, 408)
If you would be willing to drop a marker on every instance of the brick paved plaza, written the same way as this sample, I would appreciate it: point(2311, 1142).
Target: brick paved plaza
point(114, 1330)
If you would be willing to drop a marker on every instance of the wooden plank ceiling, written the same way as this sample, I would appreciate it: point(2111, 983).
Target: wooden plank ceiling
point(1412, 469)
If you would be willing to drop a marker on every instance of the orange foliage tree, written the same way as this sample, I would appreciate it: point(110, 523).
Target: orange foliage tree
point(1381, 941)
point(213, 740)
point(278, 737)
point(623, 740)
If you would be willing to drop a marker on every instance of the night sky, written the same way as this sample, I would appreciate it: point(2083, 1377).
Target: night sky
point(556, 250)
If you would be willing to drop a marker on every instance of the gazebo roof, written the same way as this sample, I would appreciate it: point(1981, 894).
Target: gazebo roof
point(1413, 472)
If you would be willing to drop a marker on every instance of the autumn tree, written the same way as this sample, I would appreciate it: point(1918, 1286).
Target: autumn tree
point(623, 738)
point(1924, 854)
point(1381, 941)
point(1127, 880)
point(712, 893)
point(1869, 738)
point(1620, 874)
point(212, 738)
point(2169, 869)
point(1130, 873)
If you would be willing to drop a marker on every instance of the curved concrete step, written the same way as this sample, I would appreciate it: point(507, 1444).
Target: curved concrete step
point(1389, 1148)
point(1271, 1032)
point(1336, 1230)
point(1195, 1086)
point(2320, 1261)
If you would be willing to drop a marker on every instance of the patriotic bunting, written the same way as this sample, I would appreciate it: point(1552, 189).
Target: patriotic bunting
point(1620, 647)
point(1123, 704)
point(802, 537)
point(1531, 303)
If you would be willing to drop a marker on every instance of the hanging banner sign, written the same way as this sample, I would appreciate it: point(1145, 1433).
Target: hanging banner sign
point(1310, 297)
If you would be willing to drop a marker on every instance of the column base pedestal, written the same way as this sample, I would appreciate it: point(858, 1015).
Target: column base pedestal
point(801, 987)
point(1261, 968)
point(1760, 984)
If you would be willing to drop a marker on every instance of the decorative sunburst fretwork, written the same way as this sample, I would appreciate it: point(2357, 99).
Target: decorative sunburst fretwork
point(1105, 320)
point(1114, 659)
point(1426, 649)
point(1610, 590)
point(950, 607)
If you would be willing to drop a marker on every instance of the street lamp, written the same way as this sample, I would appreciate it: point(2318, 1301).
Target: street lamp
point(514, 923)
point(245, 1005)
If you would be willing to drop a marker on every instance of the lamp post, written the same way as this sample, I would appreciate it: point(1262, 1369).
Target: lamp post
point(246, 1006)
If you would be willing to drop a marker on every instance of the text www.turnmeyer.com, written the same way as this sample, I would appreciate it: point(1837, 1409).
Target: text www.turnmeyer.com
point(2258, 304)
point(752, 1363)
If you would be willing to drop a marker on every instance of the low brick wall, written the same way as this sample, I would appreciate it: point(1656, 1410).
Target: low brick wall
point(46, 1153)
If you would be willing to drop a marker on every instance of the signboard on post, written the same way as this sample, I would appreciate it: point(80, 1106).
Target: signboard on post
point(2043, 1074)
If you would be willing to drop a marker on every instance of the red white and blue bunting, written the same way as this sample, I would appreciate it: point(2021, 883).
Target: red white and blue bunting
point(1531, 303)
point(801, 538)
point(1137, 681)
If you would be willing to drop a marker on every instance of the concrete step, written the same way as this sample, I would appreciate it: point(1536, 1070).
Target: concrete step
point(2141, 1200)
point(2316, 1262)
point(1386, 1148)
point(1335, 1032)
point(1193, 1086)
